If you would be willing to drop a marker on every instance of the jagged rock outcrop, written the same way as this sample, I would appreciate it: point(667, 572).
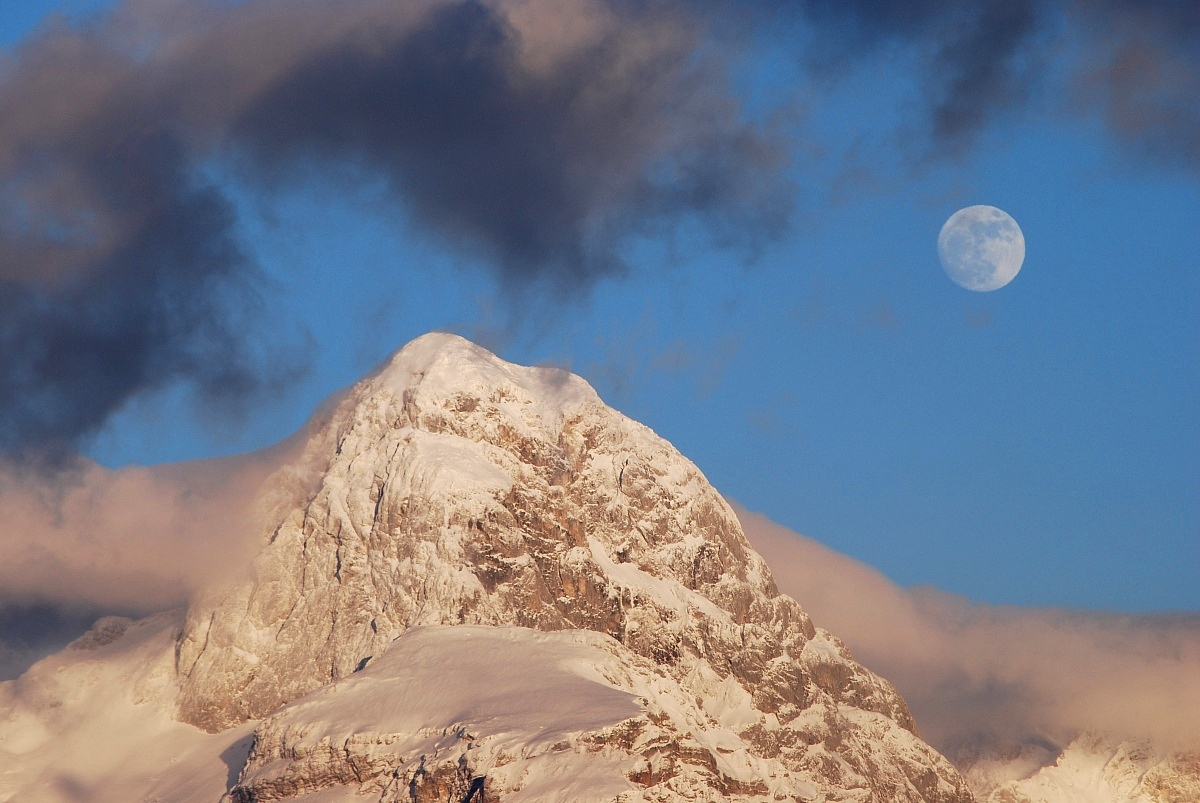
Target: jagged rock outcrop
point(456, 489)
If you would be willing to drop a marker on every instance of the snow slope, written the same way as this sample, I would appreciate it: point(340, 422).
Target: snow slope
point(509, 703)
point(96, 722)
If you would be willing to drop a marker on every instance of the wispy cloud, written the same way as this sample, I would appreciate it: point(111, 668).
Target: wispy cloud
point(1144, 76)
point(1138, 62)
point(1002, 674)
point(977, 58)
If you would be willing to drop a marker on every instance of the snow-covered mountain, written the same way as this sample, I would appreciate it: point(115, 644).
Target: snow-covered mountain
point(1091, 769)
point(477, 578)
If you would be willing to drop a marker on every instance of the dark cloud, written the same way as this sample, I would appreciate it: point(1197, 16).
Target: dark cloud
point(543, 155)
point(1144, 75)
point(120, 269)
point(534, 135)
point(163, 301)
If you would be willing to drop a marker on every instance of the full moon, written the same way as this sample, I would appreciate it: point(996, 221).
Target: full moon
point(981, 248)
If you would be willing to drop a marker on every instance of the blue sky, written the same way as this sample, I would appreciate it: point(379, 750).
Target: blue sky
point(1038, 445)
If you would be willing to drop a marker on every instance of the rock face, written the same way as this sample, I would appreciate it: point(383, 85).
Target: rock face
point(453, 488)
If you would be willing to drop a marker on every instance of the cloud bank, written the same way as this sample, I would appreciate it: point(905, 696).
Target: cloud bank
point(87, 542)
point(137, 539)
point(999, 675)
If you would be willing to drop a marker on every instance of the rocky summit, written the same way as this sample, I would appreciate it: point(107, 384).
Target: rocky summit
point(456, 489)
point(479, 582)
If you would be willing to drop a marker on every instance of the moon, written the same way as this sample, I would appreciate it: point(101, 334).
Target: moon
point(981, 248)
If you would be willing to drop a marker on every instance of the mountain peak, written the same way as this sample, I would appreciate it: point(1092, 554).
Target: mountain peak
point(460, 489)
point(450, 366)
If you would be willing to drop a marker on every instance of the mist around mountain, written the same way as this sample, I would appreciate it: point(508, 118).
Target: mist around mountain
point(468, 574)
point(1033, 705)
